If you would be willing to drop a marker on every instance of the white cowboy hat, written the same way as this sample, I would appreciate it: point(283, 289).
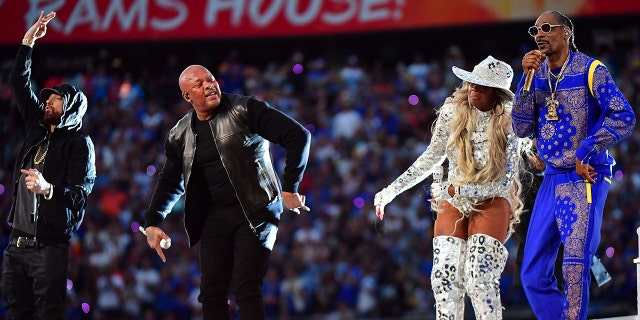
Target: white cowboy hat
point(491, 72)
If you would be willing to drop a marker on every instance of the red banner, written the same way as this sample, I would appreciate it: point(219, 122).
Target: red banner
point(135, 20)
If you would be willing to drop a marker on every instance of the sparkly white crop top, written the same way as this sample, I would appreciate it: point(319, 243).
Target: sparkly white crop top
point(429, 162)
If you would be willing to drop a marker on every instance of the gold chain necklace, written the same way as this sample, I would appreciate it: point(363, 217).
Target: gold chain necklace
point(35, 157)
point(552, 103)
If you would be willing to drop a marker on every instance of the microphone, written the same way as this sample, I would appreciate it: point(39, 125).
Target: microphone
point(528, 80)
point(164, 244)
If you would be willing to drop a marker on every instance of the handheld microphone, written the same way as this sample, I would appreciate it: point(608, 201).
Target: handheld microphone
point(164, 244)
point(528, 80)
point(530, 74)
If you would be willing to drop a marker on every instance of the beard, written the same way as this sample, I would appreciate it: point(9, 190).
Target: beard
point(52, 118)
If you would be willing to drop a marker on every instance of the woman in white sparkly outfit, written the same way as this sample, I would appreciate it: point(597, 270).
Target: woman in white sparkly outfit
point(478, 202)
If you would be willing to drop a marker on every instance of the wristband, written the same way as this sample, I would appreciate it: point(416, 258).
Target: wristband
point(28, 42)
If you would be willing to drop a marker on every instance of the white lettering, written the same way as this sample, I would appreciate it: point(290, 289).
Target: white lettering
point(341, 17)
point(215, 6)
point(268, 16)
point(368, 13)
point(170, 15)
point(116, 9)
point(85, 12)
point(301, 19)
point(182, 12)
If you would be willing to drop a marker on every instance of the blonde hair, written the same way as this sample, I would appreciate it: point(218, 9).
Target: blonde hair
point(463, 125)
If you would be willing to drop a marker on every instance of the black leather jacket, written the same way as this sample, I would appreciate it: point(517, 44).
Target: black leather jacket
point(241, 130)
point(70, 160)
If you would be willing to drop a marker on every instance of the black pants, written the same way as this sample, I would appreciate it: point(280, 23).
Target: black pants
point(34, 282)
point(232, 255)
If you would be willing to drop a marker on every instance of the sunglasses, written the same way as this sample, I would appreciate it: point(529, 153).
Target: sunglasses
point(545, 27)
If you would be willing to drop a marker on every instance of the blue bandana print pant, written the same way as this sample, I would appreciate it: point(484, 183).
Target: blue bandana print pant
point(567, 210)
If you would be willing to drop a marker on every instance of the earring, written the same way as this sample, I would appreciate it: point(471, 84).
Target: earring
point(496, 106)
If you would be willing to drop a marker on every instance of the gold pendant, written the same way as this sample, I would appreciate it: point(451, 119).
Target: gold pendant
point(552, 114)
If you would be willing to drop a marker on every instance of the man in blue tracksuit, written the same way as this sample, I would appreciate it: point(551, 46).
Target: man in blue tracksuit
point(576, 112)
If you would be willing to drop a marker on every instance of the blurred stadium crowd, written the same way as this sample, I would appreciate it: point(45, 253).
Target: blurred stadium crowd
point(369, 121)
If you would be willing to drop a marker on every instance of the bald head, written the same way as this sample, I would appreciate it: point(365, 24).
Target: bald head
point(189, 73)
point(200, 88)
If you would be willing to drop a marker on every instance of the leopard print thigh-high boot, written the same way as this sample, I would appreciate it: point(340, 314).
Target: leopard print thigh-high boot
point(486, 258)
point(447, 277)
